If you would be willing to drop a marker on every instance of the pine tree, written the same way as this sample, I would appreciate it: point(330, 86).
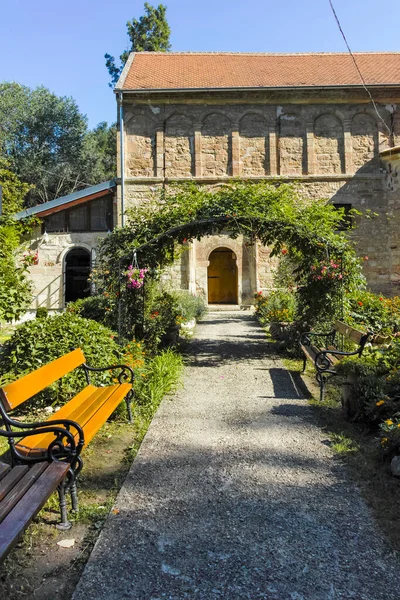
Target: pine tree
point(148, 34)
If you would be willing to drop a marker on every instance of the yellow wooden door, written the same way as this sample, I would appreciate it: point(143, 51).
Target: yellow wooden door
point(222, 277)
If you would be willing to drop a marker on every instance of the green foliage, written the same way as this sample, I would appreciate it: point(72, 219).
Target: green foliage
point(96, 308)
point(188, 307)
point(100, 153)
point(46, 141)
point(375, 382)
point(389, 435)
point(42, 312)
point(15, 289)
point(150, 33)
point(375, 312)
point(161, 377)
point(279, 305)
point(40, 341)
point(276, 215)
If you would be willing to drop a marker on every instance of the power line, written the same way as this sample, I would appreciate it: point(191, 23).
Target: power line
point(357, 67)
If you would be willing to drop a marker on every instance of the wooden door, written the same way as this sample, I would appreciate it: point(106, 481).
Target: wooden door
point(222, 277)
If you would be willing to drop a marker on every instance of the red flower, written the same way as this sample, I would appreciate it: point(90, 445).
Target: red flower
point(284, 251)
point(359, 303)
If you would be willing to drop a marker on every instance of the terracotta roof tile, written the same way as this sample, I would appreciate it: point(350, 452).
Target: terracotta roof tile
point(183, 70)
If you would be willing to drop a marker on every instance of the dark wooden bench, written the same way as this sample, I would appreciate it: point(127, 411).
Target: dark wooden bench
point(323, 349)
point(24, 490)
point(63, 435)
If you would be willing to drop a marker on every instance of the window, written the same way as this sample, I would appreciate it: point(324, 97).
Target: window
point(347, 221)
point(96, 215)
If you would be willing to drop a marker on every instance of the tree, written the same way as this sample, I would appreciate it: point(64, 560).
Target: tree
point(148, 34)
point(15, 289)
point(100, 155)
point(46, 141)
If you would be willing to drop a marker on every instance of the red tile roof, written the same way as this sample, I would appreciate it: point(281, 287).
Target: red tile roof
point(184, 70)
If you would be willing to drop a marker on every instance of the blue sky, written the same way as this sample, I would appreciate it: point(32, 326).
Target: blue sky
point(61, 45)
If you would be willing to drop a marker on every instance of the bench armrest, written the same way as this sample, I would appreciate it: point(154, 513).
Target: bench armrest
point(66, 424)
point(306, 341)
point(125, 376)
point(324, 364)
point(62, 448)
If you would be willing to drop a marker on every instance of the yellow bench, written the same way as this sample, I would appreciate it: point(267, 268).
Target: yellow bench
point(63, 435)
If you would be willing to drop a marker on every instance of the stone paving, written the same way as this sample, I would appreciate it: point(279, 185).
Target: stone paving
point(235, 493)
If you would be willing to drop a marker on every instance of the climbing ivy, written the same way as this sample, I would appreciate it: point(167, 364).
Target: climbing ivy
point(275, 215)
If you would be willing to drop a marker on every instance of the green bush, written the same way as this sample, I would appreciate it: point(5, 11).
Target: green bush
point(374, 312)
point(189, 307)
point(40, 341)
point(96, 308)
point(42, 312)
point(276, 306)
point(376, 382)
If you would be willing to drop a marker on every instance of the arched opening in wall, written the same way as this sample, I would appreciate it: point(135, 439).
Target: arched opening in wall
point(222, 277)
point(76, 274)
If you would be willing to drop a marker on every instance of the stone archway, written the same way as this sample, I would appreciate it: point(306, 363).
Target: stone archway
point(222, 277)
point(76, 274)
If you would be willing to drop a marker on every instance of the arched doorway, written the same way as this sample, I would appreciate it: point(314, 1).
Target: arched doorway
point(222, 277)
point(76, 274)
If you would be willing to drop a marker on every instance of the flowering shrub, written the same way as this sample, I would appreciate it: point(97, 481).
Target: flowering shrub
point(374, 311)
point(135, 277)
point(30, 258)
point(326, 270)
point(389, 438)
point(276, 306)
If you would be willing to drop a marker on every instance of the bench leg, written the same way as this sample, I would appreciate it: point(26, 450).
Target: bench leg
point(65, 524)
point(128, 401)
point(304, 363)
point(74, 497)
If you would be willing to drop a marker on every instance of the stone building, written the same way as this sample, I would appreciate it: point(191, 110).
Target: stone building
point(212, 117)
point(63, 248)
point(305, 118)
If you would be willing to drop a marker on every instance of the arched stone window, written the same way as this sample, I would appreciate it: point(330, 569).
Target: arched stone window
point(328, 145)
point(179, 147)
point(216, 146)
point(292, 155)
point(253, 131)
point(140, 147)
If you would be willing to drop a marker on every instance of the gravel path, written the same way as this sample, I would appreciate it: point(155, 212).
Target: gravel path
point(234, 494)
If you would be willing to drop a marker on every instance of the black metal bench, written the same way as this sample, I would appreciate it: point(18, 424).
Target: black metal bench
point(323, 351)
point(48, 453)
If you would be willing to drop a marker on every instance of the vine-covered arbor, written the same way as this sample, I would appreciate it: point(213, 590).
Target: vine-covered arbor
point(324, 261)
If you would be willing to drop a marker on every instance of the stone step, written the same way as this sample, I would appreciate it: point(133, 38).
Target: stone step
point(229, 307)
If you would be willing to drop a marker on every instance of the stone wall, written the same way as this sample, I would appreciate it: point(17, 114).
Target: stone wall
point(194, 141)
point(331, 150)
point(47, 275)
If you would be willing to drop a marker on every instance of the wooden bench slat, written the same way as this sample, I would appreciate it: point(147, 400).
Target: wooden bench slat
point(19, 518)
point(17, 392)
point(106, 411)
point(21, 486)
point(4, 469)
point(90, 409)
point(350, 332)
point(11, 480)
